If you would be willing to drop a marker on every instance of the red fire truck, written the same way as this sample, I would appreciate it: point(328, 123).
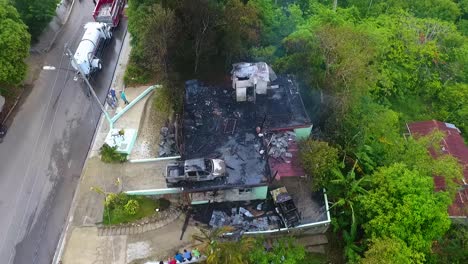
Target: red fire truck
point(109, 11)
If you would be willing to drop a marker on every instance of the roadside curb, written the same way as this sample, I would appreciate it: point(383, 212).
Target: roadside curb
point(13, 107)
point(65, 232)
point(64, 22)
point(61, 245)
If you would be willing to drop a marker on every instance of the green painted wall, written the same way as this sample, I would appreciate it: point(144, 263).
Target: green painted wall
point(303, 133)
point(155, 191)
point(260, 192)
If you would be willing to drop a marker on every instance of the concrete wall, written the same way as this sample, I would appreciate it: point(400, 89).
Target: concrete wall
point(306, 229)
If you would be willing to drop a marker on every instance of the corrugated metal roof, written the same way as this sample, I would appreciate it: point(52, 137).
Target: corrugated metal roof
point(454, 145)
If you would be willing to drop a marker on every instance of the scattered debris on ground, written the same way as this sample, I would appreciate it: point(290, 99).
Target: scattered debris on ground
point(278, 145)
point(167, 144)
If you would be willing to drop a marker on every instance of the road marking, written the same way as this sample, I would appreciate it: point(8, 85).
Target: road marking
point(28, 168)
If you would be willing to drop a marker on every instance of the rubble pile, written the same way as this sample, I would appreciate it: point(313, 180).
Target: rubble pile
point(278, 145)
point(167, 146)
point(243, 219)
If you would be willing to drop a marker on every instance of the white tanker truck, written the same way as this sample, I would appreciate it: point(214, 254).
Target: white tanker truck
point(87, 55)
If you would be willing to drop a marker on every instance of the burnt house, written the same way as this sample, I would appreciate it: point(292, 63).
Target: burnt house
point(254, 123)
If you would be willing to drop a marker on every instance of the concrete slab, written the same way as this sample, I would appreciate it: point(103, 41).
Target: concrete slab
point(164, 242)
point(96, 249)
point(143, 176)
point(125, 142)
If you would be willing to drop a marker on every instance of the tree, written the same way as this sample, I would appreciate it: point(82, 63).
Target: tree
point(453, 247)
point(369, 131)
point(388, 251)
point(346, 190)
point(241, 30)
point(440, 9)
point(201, 19)
point(222, 251)
point(153, 30)
point(284, 250)
point(14, 46)
point(36, 14)
point(402, 204)
point(318, 160)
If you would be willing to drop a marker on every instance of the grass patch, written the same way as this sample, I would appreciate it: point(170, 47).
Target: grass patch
point(117, 214)
point(162, 101)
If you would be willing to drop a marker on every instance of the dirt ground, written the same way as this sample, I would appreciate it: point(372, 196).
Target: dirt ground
point(147, 143)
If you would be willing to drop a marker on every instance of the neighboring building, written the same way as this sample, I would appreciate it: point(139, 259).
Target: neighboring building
point(256, 133)
point(453, 145)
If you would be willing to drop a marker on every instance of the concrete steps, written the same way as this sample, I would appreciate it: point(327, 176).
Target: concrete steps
point(314, 243)
point(144, 225)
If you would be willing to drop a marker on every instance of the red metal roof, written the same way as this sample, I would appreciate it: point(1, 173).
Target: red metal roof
point(291, 167)
point(454, 145)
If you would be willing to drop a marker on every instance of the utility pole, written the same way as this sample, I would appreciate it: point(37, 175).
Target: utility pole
point(83, 76)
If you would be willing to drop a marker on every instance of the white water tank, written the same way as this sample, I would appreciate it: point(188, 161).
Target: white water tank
point(85, 54)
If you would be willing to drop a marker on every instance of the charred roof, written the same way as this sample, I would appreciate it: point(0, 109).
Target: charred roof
point(215, 125)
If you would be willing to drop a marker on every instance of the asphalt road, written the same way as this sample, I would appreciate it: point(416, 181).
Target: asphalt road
point(42, 155)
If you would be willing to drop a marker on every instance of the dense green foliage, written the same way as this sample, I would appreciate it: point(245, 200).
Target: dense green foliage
point(248, 249)
point(14, 46)
point(198, 35)
point(388, 251)
point(284, 250)
point(453, 247)
point(318, 160)
point(377, 66)
point(110, 155)
point(36, 14)
point(400, 200)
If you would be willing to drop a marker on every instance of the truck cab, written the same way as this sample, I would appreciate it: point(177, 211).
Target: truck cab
point(109, 11)
point(195, 170)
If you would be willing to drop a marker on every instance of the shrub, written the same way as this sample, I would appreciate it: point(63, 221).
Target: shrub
point(114, 200)
point(135, 75)
point(163, 100)
point(163, 204)
point(132, 207)
point(318, 160)
point(110, 155)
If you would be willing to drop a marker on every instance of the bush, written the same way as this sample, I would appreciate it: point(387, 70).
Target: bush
point(114, 200)
point(110, 155)
point(163, 204)
point(135, 75)
point(163, 100)
point(132, 207)
point(318, 160)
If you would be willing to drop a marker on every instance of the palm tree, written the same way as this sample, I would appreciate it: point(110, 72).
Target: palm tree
point(222, 251)
point(347, 189)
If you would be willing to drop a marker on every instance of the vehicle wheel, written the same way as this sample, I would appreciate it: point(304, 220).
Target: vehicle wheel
point(182, 183)
point(219, 179)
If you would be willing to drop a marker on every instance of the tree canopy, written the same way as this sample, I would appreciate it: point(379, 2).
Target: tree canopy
point(36, 14)
point(14, 46)
point(377, 65)
point(402, 204)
